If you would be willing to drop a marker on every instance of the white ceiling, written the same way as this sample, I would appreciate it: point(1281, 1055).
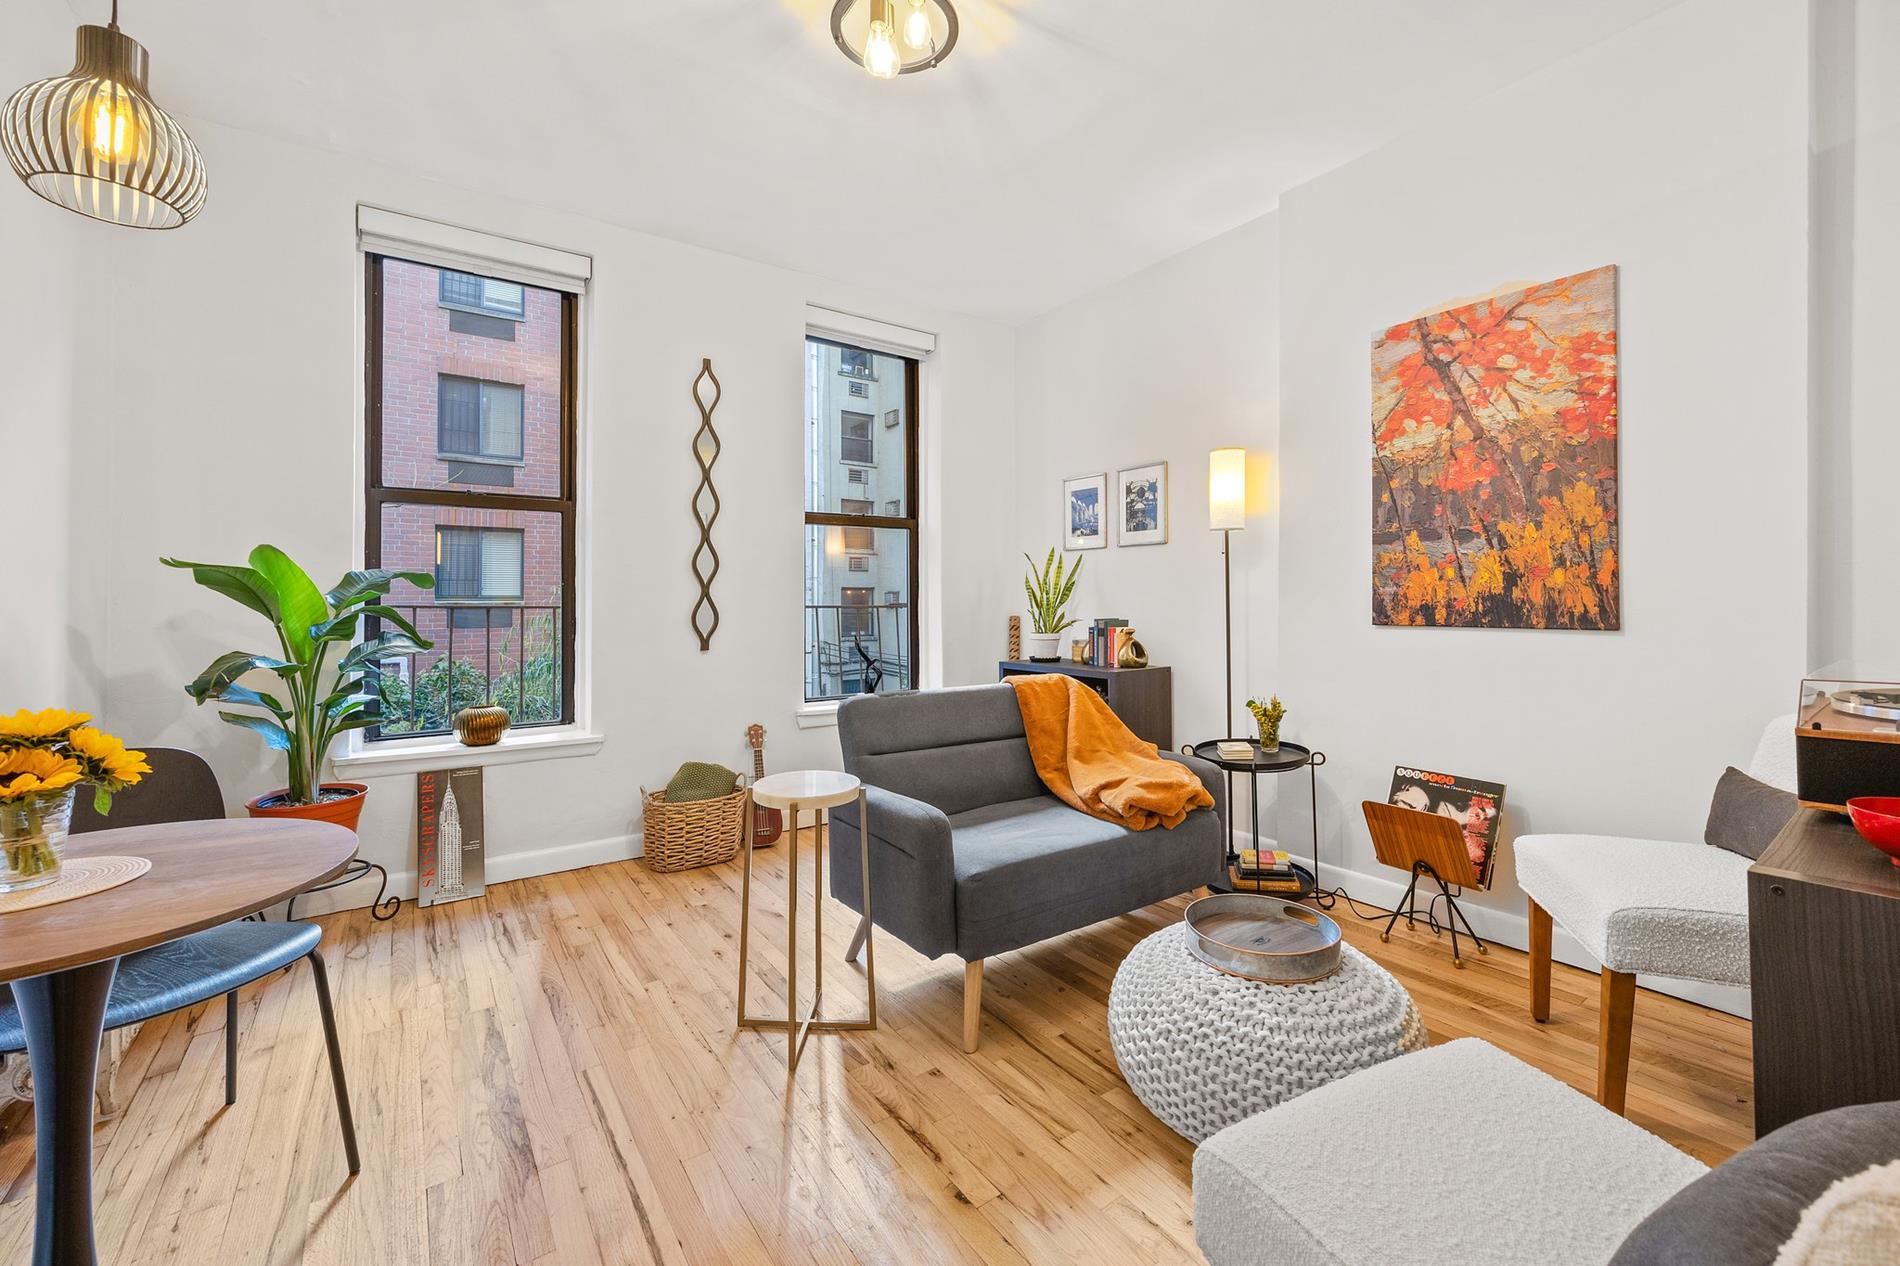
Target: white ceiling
point(1064, 144)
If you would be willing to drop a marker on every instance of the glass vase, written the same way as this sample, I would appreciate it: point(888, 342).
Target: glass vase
point(1269, 737)
point(32, 833)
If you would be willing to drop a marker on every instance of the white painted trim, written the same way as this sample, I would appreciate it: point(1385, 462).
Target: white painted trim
point(500, 870)
point(386, 232)
point(814, 716)
point(1506, 928)
point(399, 756)
point(863, 331)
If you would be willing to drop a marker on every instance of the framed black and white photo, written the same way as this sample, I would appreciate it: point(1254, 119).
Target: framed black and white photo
point(1142, 505)
point(1085, 512)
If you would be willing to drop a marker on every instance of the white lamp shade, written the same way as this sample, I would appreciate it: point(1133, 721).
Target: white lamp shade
point(1227, 489)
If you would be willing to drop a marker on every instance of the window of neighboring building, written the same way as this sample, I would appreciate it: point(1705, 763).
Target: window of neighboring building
point(854, 438)
point(489, 296)
point(478, 420)
point(853, 641)
point(856, 608)
point(482, 563)
point(470, 477)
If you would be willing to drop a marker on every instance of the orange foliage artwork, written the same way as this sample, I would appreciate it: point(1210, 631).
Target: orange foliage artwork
point(1494, 462)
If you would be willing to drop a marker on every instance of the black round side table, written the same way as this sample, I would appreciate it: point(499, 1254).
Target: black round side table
point(1287, 758)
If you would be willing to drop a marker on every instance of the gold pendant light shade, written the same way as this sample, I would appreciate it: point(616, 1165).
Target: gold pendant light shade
point(95, 142)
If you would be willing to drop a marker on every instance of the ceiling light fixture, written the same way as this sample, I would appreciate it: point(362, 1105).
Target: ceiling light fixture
point(94, 141)
point(871, 34)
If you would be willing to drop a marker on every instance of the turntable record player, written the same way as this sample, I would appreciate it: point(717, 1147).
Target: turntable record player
point(1847, 737)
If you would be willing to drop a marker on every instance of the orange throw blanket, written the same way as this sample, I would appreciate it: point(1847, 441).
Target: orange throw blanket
point(1092, 762)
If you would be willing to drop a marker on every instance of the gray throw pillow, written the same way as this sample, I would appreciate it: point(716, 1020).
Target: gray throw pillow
point(1746, 815)
point(1742, 1211)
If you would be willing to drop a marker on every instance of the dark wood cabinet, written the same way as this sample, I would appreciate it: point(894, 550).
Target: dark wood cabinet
point(1142, 697)
point(1824, 968)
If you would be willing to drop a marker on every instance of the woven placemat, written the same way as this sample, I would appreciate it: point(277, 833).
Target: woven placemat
point(78, 877)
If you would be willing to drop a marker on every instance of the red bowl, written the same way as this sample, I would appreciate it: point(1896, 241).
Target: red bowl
point(1877, 818)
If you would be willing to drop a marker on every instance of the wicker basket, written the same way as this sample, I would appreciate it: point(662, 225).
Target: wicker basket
point(680, 836)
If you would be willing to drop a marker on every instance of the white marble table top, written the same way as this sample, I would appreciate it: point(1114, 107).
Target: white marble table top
point(807, 788)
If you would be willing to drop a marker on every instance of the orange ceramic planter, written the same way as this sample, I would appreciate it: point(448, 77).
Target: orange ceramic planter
point(343, 811)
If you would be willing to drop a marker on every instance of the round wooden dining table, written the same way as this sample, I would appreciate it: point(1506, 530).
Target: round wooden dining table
point(60, 960)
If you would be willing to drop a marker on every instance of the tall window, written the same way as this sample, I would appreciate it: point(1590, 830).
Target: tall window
point(853, 469)
point(470, 477)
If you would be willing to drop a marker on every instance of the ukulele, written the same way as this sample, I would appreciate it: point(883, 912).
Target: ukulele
point(770, 822)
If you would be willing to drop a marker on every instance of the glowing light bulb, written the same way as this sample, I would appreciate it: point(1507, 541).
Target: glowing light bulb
point(880, 52)
point(917, 26)
point(114, 130)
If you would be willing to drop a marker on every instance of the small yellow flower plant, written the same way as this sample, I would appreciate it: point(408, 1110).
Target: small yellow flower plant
point(43, 754)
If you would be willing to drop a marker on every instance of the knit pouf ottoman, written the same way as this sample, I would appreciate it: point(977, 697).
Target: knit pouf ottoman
point(1203, 1049)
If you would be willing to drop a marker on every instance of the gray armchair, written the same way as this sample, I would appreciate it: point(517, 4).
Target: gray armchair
point(971, 855)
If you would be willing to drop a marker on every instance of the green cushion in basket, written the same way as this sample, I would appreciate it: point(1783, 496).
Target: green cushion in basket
point(700, 780)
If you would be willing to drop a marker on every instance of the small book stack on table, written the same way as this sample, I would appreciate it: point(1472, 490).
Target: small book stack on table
point(1270, 870)
point(1235, 749)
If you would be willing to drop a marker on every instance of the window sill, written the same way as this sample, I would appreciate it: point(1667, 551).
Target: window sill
point(818, 715)
point(409, 756)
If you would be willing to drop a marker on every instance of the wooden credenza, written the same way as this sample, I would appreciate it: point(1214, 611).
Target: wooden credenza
point(1142, 697)
point(1824, 966)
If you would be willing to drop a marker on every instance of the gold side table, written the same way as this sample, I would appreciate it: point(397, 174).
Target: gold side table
point(818, 790)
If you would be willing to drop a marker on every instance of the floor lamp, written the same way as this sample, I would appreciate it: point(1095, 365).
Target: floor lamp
point(1226, 514)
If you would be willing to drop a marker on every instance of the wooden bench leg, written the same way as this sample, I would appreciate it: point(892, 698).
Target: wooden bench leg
point(1540, 963)
point(972, 1003)
point(1618, 1010)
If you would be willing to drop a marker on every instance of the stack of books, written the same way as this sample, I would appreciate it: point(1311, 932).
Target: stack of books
point(1106, 638)
point(1234, 749)
point(1269, 870)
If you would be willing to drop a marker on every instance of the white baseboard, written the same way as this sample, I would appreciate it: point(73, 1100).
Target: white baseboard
point(499, 870)
point(1506, 928)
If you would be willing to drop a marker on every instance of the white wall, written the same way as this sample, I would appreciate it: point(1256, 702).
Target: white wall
point(51, 318)
point(1676, 150)
point(1855, 260)
point(1165, 365)
point(233, 420)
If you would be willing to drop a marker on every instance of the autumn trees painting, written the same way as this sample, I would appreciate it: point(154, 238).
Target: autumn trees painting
point(1494, 462)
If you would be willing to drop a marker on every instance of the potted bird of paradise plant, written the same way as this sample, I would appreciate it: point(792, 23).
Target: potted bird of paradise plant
point(45, 757)
point(321, 702)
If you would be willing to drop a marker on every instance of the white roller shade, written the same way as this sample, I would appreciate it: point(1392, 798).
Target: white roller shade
point(384, 232)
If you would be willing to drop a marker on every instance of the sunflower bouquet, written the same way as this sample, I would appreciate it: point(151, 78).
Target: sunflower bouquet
point(45, 757)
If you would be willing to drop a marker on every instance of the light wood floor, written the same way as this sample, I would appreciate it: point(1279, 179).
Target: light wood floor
point(550, 1075)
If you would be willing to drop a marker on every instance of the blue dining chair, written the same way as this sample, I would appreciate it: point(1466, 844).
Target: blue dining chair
point(197, 968)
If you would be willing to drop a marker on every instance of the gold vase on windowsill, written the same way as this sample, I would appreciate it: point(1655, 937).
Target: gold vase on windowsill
point(481, 726)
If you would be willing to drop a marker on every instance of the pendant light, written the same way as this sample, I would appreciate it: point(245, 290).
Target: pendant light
point(94, 141)
point(894, 37)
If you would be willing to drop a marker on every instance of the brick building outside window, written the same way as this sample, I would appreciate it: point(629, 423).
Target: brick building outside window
point(471, 453)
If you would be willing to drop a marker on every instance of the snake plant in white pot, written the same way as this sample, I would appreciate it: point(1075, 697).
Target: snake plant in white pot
point(1048, 591)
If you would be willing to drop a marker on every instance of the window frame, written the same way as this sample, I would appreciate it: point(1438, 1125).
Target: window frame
point(911, 522)
point(447, 454)
point(377, 494)
point(484, 599)
point(479, 309)
point(869, 438)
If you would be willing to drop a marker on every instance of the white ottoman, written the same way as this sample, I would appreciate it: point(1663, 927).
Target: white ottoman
point(1203, 1049)
point(1458, 1154)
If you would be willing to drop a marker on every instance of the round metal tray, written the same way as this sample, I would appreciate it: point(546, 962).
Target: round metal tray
point(1262, 938)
